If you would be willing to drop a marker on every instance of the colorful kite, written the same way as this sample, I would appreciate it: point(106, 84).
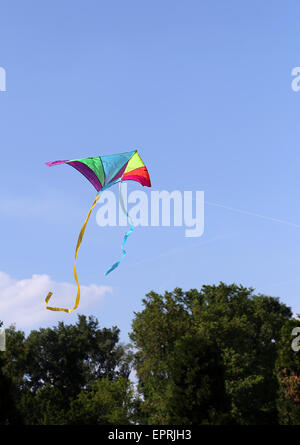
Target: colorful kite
point(103, 172)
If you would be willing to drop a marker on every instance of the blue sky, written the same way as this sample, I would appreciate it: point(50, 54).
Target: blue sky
point(203, 90)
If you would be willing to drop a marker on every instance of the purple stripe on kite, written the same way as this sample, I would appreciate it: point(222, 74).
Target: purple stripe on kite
point(120, 173)
point(88, 173)
point(50, 164)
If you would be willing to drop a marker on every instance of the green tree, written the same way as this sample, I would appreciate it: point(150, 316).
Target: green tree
point(53, 366)
point(288, 373)
point(9, 412)
point(208, 356)
point(107, 402)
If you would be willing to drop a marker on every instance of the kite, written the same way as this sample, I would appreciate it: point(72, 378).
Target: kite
point(103, 172)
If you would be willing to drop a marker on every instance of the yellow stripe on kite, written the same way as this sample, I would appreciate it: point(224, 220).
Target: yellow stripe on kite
point(134, 163)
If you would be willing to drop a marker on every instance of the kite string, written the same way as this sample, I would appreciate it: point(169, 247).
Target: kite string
point(75, 272)
point(127, 234)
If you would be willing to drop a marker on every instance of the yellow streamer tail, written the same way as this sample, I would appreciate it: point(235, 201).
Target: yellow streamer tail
point(75, 273)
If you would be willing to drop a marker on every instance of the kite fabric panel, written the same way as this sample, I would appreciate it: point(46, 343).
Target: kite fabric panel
point(103, 172)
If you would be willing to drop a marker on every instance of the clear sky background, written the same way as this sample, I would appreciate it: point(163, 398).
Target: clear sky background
point(203, 90)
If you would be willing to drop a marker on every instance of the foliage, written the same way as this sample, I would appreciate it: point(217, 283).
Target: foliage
point(52, 367)
point(218, 355)
point(288, 372)
point(106, 403)
point(9, 412)
point(208, 356)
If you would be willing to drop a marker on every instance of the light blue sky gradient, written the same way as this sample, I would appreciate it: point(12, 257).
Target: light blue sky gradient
point(203, 90)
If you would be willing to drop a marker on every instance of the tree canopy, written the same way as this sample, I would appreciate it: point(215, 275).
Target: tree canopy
point(218, 355)
point(208, 356)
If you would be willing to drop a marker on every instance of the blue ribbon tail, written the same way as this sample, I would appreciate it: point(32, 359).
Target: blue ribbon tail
point(115, 265)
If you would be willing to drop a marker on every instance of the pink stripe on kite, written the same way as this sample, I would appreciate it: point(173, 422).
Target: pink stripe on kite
point(50, 164)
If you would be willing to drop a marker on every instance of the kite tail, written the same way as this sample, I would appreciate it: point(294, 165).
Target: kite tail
point(75, 273)
point(115, 265)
